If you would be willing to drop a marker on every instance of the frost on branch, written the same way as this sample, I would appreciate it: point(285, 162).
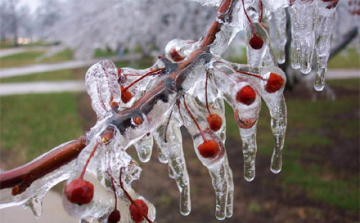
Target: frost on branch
point(188, 87)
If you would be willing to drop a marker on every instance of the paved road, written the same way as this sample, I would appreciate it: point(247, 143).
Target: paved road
point(53, 212)
point(38, 68)
point(342, 73)
point(42, 87)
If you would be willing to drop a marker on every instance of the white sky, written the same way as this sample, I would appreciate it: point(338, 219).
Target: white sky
point(31, 3)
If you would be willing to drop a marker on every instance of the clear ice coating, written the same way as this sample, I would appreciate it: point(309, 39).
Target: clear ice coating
point(323, 31)
point(302, 15)
point(187, 88)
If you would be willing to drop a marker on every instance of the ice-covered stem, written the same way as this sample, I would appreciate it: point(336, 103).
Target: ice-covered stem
point(130, 198)
point(153, 72)
point(22, 177)
point(224, 10)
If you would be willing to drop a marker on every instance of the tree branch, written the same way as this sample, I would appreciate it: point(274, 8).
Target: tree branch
point(21, 178)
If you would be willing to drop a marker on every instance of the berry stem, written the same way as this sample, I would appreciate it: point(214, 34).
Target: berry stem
point(129, 197)
point(133, 75)
point(113, 187)
point(206, 94)
point(156, 71)
point(250, 74)
point(178, 106)
point(247, 16)
point(193, 118)
point(88, 160)
point(227, 76)
point(167, 125)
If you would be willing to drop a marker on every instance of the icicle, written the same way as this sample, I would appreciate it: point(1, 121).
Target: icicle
point(323, 30)
point(279, 20)
point(247, 104)
point(35, 204)
point(277, 106)
point(144, 147)
point(248, 137)
point(162, 157)
point(230, 197)
point(87, 220)
point(319, 83)
point(171, 173)
point(168, 137)
point(302, 15)
point(220, 184)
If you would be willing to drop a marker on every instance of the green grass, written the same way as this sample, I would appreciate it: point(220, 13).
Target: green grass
point(314, 126)
point(64, 55)
point(348, 84)
point(318, 184)
point(351, 59)
point(33, 124)
point(31, 57)
point(20, 59)
point(104, 53)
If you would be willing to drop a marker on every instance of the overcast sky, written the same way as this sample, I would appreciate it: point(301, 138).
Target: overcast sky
point(31, 3)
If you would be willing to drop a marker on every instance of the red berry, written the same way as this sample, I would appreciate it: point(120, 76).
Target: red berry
point(215, 122)
point(136, 214)
point(125, 95)
point(79, 191)
point(246, 95)
point(274, 83)
point(114, 217)
point(209, 148)
point(256, 42)
point(175, 55)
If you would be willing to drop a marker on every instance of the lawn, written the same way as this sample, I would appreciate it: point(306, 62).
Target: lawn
point(32, 124)
point(348, 59)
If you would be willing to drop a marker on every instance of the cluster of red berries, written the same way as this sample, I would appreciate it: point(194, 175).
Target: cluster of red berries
point(81, 192)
